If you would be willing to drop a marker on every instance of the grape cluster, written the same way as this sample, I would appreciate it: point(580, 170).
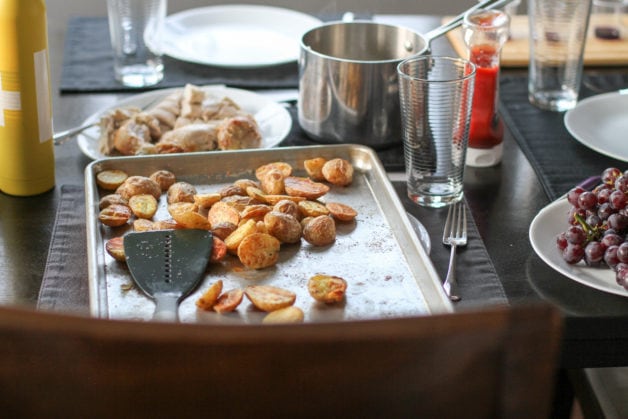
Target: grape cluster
point(598, 225)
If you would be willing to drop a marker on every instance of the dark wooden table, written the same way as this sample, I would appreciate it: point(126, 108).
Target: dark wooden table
point(503, 199)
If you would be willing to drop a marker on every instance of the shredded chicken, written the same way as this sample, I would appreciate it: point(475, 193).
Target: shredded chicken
point(185, 121)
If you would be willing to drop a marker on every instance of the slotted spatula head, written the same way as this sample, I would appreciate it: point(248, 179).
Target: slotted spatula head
point(167, 265)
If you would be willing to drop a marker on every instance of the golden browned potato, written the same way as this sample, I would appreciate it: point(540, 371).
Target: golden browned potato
point(223, 229)
point(327, 288)
point(283, 167)
point(314, 168)
point(288, 207)
point(229, 301)
point(111, 199)
point(256, 194)
point(142, 224)
point(164, 178)
point(284, 227)
point(312, 209)
point(305, 187)
point(255, 212)
point(273, 199)
point(185, 214)
point(206, 200)
point(181, 192)
point(258, 250)
point(245, 183)
point(240, 202)
point(269, 298)
point(234, 239)
point(222, 212)
point(111, 179)
point(137, 185)
point(231, 190)
point(273, 182)
point(338, 172)
point(289, 314)
point(219, 250)
point(320, 231)
point(143, 206)
point(115, 215)
point(341, 212)
point(115, 248)
point(166, 225)
point(210, 296)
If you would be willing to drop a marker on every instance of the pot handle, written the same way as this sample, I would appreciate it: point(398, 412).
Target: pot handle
point(457, 21)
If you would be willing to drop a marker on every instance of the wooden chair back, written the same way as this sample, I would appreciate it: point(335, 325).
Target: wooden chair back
point(497, 362)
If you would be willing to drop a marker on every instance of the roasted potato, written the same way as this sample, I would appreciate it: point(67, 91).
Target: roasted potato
point(185, 214)
point(222, 212)
point(284, 227)
point(341, 212)
point(206, 200)
point(245, 183)
point(210, 296)
point(305, 187)
point(142, 224)
point(273, 182)
point(181, 192)
point(164, 178)
point(314, 168)
point(138, 185)
point(255, 212)
point(269, 298)
point(234, 239)
point(312, 208)
point(111, 199)
point(115, 215)
point(115, 248)
point(223, 229)
point(284, 168)
point(258, 250)
point(111, 179)
point(320, 231)
point(289, 314)
point(219, 250)
point(327, 288)
point(143, 206)
point(229, 301)
point(288, 207)
point(338, 172)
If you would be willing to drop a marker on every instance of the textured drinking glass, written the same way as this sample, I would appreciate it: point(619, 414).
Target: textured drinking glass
point(135, 28)
point(435, 96)
point(558, 31)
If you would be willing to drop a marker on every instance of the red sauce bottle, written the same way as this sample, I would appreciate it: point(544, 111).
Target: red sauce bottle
point(485, 32)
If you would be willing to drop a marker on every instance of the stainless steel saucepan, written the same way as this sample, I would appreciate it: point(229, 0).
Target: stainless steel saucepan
point(348, 90)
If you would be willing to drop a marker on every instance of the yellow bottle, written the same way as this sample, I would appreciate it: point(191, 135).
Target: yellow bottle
point(26, 146)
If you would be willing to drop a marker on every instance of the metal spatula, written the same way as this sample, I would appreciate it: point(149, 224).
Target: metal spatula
point(167, 265)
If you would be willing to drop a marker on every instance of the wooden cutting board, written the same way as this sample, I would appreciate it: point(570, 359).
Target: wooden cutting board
point(516, 52)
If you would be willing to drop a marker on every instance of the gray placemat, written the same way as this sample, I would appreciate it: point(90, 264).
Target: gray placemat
point(558, 159)
point(64, 286)
point(65, 282)
point(88, 66)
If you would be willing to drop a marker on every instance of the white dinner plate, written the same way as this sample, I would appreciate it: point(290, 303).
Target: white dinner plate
point(601, 123)
point(236, 35)
point(273, 119)
point(548, 223)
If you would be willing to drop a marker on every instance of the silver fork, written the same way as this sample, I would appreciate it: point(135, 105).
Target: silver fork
point(455, 234)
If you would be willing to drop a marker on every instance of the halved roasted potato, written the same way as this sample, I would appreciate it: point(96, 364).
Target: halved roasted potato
point(269, 298)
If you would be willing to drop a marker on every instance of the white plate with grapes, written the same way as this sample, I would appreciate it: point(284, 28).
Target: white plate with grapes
point(546, 226)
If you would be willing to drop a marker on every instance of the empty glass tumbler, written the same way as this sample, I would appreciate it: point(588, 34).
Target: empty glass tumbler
point(135, 27)
point(435, 97)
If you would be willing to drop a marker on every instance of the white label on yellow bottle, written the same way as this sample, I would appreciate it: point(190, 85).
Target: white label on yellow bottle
point(42, 85)
point(10, 101)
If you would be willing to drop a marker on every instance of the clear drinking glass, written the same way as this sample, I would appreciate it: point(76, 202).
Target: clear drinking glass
point(135, 30)
point(435, 97)
point(558, 31)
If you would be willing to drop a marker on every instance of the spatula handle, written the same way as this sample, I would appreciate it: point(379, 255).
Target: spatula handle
point(167, 308)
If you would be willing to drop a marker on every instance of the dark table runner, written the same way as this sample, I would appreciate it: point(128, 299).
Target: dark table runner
point(65, 282)
point(559, 160)
point(88, 66)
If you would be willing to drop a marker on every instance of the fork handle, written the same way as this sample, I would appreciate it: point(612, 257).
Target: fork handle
point(451, 285)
